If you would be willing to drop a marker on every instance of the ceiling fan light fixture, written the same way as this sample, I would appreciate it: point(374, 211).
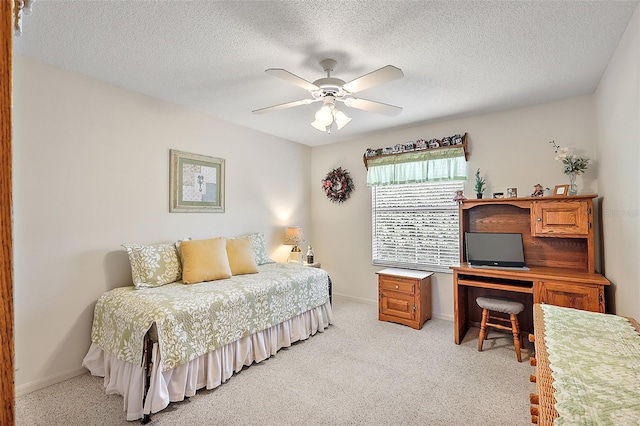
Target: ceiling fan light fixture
point(324, 115)
point(341, 119)
point(331, 90)
point(319, 126)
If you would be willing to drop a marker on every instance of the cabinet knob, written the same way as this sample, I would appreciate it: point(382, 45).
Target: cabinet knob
point(539, 219)
point(397, 287)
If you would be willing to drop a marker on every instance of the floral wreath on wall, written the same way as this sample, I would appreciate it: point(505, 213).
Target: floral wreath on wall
point(338, 185)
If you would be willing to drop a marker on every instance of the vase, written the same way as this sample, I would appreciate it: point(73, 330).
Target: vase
point(573, 188)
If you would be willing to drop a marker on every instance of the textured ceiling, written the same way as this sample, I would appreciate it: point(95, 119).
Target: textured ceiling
point(459, 58)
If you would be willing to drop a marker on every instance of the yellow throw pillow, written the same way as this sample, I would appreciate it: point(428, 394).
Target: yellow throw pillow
point(240, 254)
point(204, 260)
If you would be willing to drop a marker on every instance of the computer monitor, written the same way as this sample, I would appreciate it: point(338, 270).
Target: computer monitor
point(494, 249)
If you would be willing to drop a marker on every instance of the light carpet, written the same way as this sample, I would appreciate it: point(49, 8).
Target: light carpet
point(360, 371)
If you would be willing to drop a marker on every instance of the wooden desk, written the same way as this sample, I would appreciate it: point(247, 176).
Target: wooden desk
point(559, 248)
point(540, 284)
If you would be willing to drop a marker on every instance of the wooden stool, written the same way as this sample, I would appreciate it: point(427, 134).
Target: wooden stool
point(505, 306)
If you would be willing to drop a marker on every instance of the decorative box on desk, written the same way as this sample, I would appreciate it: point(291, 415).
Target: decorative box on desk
point(404, 296)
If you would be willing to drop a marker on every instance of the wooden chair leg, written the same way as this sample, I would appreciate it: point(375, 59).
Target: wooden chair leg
point(515, 329)
point(483, 329)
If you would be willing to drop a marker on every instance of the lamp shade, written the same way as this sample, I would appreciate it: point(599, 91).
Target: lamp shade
point(293, 236)
point(324, 115)
point(341, 119)
point(319, 126)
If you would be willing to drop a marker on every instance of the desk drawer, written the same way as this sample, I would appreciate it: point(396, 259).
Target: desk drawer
point(400, 284)
point(571, 295)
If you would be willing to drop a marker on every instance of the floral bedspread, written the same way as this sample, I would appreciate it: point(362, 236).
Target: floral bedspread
point(194, 319)
point(595, 365)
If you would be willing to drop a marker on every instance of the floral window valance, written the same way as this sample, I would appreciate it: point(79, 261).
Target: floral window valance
point(441, 163)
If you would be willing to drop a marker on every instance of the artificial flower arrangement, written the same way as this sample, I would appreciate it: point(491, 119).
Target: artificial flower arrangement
point(573, 164)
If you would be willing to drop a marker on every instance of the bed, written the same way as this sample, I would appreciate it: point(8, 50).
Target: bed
point(587, 368)
point(159, 345)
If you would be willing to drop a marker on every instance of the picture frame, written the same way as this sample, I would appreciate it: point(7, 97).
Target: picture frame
point(560, 190)
point(512, 192)
point(196, 183)
point(498, 195)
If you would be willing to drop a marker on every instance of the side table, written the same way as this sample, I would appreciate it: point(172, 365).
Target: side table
point(404, 296)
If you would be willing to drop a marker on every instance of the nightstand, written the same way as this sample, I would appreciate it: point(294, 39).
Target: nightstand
point(404, 296)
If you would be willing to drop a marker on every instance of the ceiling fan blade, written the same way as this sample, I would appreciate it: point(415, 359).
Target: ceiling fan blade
point(284, 106)
point(291, 78)
point(374, 78)
point(373, 106)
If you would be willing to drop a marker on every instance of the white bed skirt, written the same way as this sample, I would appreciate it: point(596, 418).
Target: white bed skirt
point(210, 370)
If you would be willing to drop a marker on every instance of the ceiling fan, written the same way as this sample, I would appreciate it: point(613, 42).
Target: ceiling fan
point(330, 90)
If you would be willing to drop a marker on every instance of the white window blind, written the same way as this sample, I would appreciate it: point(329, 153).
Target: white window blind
point(416, 225)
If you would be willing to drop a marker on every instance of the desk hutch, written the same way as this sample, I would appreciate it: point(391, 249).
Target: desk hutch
point(559, 249)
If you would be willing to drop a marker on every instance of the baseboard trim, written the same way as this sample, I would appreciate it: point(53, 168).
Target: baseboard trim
point(339, 296)
point(443, 316)
point(354, 299)
point(48, 381)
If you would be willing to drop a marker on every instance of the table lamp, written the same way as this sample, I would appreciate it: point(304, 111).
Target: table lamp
point(293, 237)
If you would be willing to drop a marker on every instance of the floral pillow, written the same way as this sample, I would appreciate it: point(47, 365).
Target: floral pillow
point(259, 248)
point(153, 266)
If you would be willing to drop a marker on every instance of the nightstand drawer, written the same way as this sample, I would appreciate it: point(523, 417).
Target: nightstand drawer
point(403, 285)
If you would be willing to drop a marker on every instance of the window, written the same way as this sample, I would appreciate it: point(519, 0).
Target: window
point(416, 225)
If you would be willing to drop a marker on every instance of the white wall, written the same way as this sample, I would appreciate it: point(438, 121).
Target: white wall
point(90, 161)
point(511, 149)
point(617, 110)
point(91, 171)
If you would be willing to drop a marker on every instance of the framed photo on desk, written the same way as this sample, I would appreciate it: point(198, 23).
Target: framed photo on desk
point(560, 190)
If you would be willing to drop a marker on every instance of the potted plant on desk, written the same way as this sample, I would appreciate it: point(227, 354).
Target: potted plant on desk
point(480, 184)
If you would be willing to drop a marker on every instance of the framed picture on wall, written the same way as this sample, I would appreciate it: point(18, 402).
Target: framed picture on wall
point(196, 183)
point(560, 190)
